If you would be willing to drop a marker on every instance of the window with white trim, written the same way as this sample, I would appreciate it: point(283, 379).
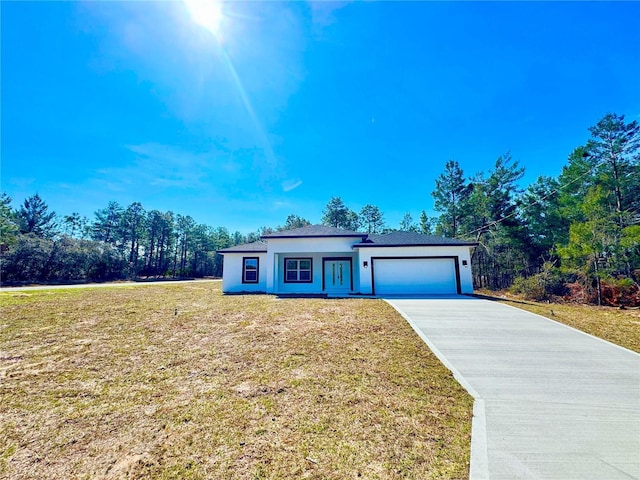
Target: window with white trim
point(298, 270)
point(250, 269)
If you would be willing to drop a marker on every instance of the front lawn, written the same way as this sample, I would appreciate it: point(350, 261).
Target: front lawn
point(182, 382)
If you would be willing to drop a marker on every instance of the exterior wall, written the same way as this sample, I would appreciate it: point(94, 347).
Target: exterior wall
point(462, 252)
point(271, 264)
point(316, 248)
point(232, 273)
point(280, 286)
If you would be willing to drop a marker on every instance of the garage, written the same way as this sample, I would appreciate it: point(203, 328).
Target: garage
point(415, 275)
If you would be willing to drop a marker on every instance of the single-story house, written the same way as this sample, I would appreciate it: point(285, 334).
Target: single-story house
point(318, 259)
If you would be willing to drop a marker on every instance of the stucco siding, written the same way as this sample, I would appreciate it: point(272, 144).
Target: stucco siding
point(232, 273)
point(319, 245)
point(281, 286)
point(316, 248)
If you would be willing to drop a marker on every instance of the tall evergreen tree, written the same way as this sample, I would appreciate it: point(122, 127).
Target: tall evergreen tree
point(426, 223)
point(490, 219)
point(165, 243)
point(502, 188)
point(133, 228)
point(371, 219)
point(34, 217)
point(8, 222)
point(451, 192)
point(106, 226)
point(294, 221)
point(202, 250)
point(336, 214)
point(574, 181)
point(542, 216)
point(183, 244)
point(76, 225)
point(615, 145)
point(353, 221)
point(593, 244)
point(157, 242)
point(238, 238)
point(407, 225)
point(223, 239)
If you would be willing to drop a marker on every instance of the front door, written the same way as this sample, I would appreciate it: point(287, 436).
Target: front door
point(337, 275)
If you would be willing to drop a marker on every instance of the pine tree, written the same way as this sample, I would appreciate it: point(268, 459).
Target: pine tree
point(34, 217)
point(8, 222)
point(372, 219)
point(615, 146)
point(452, 190)
point(407, 225)
point(426, 223)
point(294, 221)
point(336, 214)
point(106, 226)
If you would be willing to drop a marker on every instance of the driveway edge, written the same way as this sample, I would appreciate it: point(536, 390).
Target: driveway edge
point(479, 463)
point(571, 327)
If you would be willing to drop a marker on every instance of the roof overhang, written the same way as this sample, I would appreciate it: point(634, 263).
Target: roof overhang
point(221, 252)
point(267, 237)
point(396, 245)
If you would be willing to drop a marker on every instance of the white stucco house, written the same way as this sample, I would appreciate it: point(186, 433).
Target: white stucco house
point(325, 260)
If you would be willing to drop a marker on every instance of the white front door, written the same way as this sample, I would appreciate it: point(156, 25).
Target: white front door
point(337, 275)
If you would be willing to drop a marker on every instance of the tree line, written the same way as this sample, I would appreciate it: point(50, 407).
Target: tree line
point(38, 245)
point(575, 230)
point(119, 243)
point(579, 228)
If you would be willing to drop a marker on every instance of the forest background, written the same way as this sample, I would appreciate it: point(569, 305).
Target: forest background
point(574, 237)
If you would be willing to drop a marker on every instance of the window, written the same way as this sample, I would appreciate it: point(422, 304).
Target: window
point(250, 269)
point(297, 270)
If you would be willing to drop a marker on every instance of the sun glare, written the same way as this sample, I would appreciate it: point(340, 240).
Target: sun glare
point(207, 13)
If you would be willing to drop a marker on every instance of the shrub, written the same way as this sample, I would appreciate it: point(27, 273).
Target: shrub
point(27, 260)
point(549, 282)
point(37, 260)
point(531, 288)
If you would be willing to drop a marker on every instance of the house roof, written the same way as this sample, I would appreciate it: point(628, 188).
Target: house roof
point(410, 239)
point(393, 239)
point(253, 247)
point(315, 231)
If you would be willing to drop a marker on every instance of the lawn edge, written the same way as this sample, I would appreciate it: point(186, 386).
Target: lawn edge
point(570, 327)
point(478, 461)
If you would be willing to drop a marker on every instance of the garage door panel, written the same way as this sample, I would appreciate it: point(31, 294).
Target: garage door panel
point(414, 276)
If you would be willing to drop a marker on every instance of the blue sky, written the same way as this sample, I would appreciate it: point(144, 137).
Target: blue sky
point(288, 104)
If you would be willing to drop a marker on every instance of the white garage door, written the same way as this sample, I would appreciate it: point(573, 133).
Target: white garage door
point(414, 276)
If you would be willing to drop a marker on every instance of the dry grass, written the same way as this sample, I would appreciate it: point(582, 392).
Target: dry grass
point(111, 383)
point(621, 327)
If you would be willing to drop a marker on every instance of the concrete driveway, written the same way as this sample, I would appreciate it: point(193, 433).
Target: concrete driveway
point(551, 402)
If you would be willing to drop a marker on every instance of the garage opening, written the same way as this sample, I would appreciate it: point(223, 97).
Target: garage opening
point(415, 275)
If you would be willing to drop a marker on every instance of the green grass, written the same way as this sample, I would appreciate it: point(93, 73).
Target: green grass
point(110, 383)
